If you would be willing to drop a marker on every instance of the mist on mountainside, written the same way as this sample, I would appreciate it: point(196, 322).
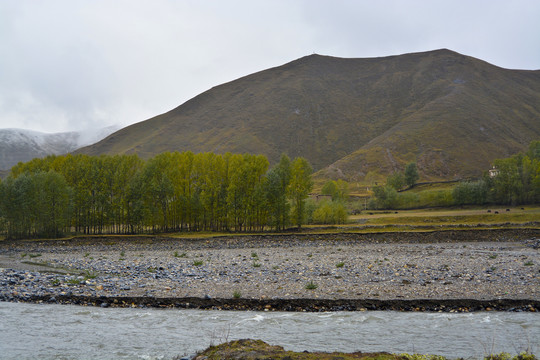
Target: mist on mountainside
point(20, 145)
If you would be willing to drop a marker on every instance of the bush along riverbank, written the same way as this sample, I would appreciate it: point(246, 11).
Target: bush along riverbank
point(257, 349)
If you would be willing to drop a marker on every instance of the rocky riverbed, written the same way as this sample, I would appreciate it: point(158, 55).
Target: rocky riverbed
point(334, 271)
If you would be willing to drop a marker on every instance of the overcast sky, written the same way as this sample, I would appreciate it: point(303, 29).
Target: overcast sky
point(74, 65)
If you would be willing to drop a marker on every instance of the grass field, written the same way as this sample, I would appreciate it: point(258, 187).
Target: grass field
point(488, 217)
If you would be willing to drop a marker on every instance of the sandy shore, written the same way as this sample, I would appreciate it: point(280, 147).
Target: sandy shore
point(342, 268)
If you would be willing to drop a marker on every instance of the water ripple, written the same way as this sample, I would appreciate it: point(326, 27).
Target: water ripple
point(29, 331)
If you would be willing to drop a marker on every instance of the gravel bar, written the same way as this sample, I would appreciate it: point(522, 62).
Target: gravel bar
point(465, 270)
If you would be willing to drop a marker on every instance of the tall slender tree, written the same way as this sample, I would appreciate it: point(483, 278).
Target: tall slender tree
point(299, 188)
point(277, 183)
point(53, 202)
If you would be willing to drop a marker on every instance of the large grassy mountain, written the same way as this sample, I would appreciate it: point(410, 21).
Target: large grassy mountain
point(451, 113)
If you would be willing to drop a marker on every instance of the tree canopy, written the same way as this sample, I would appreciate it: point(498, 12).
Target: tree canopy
point(411, 174)
point(123, 194)
point(516, 181)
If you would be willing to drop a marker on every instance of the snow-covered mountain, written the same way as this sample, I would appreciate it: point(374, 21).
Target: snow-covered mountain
point(23, 145)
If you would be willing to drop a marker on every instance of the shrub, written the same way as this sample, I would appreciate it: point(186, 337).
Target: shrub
point(470, 193)
point(386, 197)
point(501, 356)
point(435, 198)
point(411, 174)
point(525, 356)
point(89, 275)
point(407, 200)
point(339, 190)
point(330, 212)
point(396, 180)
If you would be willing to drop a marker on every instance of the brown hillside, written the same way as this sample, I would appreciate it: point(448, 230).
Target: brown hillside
point(451, 113)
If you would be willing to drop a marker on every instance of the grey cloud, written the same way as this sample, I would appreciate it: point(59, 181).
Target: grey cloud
point(69, 65)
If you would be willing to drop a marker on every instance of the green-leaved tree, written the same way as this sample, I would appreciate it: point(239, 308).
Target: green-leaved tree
point(299, 188)
point(277, 183)
point(411, 174)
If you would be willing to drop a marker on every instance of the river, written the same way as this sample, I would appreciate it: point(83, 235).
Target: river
point(31, 331)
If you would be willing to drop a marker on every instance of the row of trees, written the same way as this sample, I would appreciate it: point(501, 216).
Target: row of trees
point(387, 197)
point(398, 180)
point(170, 192)
point(516, 181)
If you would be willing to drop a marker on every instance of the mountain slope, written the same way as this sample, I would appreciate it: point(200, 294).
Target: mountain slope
point(23, 145)
point(451, 113)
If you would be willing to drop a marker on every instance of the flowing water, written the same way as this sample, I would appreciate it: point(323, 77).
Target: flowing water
point(33, 331)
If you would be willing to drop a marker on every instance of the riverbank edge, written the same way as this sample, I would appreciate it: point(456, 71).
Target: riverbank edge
point(411, 236)
point(288, 305)
point(258, 349)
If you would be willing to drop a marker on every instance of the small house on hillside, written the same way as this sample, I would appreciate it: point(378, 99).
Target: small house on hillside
point(493, 172)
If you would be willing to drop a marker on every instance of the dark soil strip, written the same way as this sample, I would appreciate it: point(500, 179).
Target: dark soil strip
point(289, 239)
point(310, 305)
